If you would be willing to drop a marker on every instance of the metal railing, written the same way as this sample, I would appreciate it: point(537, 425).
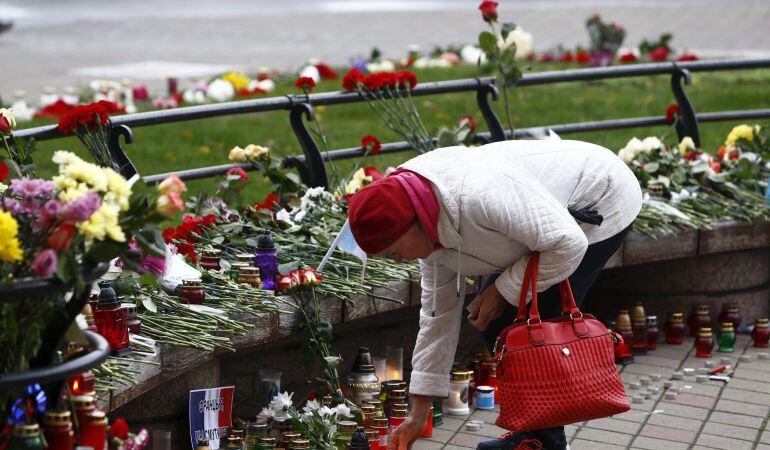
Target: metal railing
point(311, 164)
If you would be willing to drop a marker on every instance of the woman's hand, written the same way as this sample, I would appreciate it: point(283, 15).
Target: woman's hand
point(486, 307)
point(410, 429)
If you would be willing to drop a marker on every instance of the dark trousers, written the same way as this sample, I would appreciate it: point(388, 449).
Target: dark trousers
point(549, 304)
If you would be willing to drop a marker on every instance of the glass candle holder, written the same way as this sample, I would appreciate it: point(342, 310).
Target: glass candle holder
point(210, 259)
point(704, 343)
point(457, 401)
point(395, 363)
point(132, 319)
point(761, 333)
point(438, 411)
point(653, 333)
point(58, 430)
point(250, 276)
point(675, 329)
point(639, 329)
point(397, 418)
point(235, 270)
point(374, 439)
point(726, 338)
point(111, 321)
point(266, 259)
point(700, 317)
point(25, 437)
point(623, 328)
point(84, 405)
point(731, 313)
point(428, 430)
point(192, 291)
point(380, 368)
point(94, 431)
point(82, 383)
point(381, 426)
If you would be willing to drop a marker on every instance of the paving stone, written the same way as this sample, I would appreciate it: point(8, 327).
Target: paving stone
point(736, 419)
point(632, 416)
point(659, 360)
point(710, 389)
point(741, 408)
point(442, 436)
point(608, 437)
point(765, 437)
point(762, 447)
point(680, 423)
point(570, 431)
point(646, 369)
point(669, 434)
point(710, 440)
point(450, 423)
point(698, 401)
point(740, 395)
point(489, 430)
point(486, 416)
point(657, 444)
point(750, 374)
point(581, 444)
point(721, 429)
point(422, 444)
point(680, 410)
point(467, 439)
point(750, 386)
point(610, 424)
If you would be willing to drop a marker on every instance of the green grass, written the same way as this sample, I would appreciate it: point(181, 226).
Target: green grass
point(206, 142)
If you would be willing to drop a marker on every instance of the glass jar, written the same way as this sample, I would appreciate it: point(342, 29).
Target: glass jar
point(254, 431)
point(235, 270)
point(298, 444)
point(250, 276)
point(266, 260)
point(111, 320)
point(82, 383)
point(232, 443)
point(132, 319)
point(379, 411)
point(699, 318)
point(653, 333)
point(25, 437)
point(374, 439)
point(639, 329)
point(58, 431)
point(210, 259)
point(88, 313)
point(192, 291)
point(438, 411)
point(381, 426)
point(731, 313)
point(344, 433)
point(457, 401)
point(245, 258)
point(623, 328)
point(397, 417)
point(761, 333)
point(266, 443)
point(359, 441)
point(726, 338)
point(704, 343)
point(675, 329)
point(394, 396)
point(94, 431)
point(84, 405)
point(486, 364)
point(287, 437)
point(368, 411)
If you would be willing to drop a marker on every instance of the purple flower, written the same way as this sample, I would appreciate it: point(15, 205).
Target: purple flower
point(50, 212)
point(358, 62)
point(11, 205)
point(45, 263)
point(155, 266)
point(36, 188)
point(82, 208)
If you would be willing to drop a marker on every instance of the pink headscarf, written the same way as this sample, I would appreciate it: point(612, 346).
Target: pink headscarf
point(423, 200)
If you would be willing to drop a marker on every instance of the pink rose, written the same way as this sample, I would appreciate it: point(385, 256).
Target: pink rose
point(169, 203)
point(172, 183)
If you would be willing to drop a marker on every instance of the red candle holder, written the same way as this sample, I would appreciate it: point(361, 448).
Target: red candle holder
point(761, 333)
point(653, 333)
point(699, 318)
point(704, 343)
point(638, 329)
point(192, 291)
point(58, 431)
point(84, 405)
point(82, 383)
point(93, 433)
point(622, 327)
point(731, 313)
point(111, 321)
point(675, 329)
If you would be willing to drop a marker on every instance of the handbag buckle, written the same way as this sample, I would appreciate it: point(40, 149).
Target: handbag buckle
point(494, 347)
point(578, 317)
point(538, 321)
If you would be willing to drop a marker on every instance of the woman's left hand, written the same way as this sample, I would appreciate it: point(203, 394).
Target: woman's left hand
point(488, 306)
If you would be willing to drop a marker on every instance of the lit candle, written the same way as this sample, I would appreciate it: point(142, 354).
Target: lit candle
point(395, 363)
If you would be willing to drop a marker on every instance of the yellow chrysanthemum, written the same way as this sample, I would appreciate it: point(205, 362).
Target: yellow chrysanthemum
point(103, 224)
point(10, 249)
point(741, 132)
point(119, 188)
point(237, 79)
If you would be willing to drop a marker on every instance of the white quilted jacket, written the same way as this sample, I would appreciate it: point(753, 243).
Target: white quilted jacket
point(500, 202)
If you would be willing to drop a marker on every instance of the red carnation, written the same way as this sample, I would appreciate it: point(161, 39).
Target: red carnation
point(61, 236)
point(692, 155)
point(351, 79)
point(567, 57)
point(406, 77)
point(209, 220)
point(546, 57)
point(54, 110)
point(488, 10)
point(240, 172)
point(169, 234)
point(4, 171)
point(372, 171)
point(326, 72)
point(373, 81)
point(270, 202)
point(659, 54)
point(371, 144)
point(628, 57)
point(672, 112)
point(688, 57)
point(305, 83)
point(582, 57)
point(469, 120)
point(119, 429)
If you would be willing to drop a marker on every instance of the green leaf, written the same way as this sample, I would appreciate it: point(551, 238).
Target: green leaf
point(285, 268)
point(332, 362)
point(446, 138)
point(104, 251)
point(149, 304)
point(488, 43)
point(151, 242)
point(507, 28)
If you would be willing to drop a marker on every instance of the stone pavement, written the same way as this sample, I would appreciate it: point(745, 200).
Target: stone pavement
point(706, 415)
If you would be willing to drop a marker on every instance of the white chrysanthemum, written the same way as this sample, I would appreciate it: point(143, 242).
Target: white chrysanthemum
point(284, 216)
point(342, 410)
point(310, 406)
point(220, 90)
point(300, 215)
point(325, 411)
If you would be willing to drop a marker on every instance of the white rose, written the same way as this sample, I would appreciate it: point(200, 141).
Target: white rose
point(470, 54)
point(220, 90)
point(521, 38)
point(626, 155)
point(254, 151)
point(237, 155)
point(266, 85)
point(651, 143)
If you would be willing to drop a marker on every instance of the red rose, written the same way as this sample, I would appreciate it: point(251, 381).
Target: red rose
point(119, 429)
point(61, 236)
point(240, 172)
point(567, 57)
point(270, 202)
point(5, 124)
point(687, 57)
point(628, 57)
point(672, 112)
point(659, 54)
point(326, 72)
point(372, 171)
point(209, 220)
point(4, 171)
point(488, 10)
point(715, 166)
point(371, 144)
point(582, 57)
point(405, 78)
point(351, 79)
point(469, 120)
point(305, 83)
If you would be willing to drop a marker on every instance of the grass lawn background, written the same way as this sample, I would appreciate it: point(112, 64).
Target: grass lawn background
point(199, 143)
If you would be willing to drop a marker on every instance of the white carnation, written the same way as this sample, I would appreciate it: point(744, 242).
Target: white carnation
point(651, 143)
point(284, 216)
point(381, 66)
point(220, 90)
point(311, 72)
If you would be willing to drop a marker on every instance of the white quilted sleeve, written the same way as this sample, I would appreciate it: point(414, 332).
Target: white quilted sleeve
point(520, 207)
point(440, 317)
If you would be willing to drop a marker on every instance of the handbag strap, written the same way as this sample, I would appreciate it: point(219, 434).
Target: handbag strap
point(532, 316)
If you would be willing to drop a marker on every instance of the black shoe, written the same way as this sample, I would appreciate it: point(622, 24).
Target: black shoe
point(512, 441)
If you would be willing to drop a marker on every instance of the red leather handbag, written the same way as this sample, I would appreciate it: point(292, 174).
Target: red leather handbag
point(556, 371)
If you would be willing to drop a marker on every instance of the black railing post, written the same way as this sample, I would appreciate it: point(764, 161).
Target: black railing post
point(484, 91)
point(125, 166)
point(314, 173)
point(687, 123)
